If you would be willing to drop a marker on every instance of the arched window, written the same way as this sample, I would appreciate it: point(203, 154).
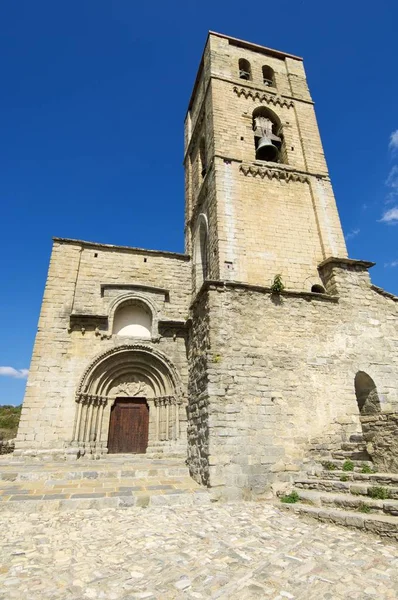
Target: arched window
point(245, 70)
point(201, 251)
point(268, 139)
point(202, 157)
point(133, 319)
point(268, 76)
point(318, 289)
point(366, 394)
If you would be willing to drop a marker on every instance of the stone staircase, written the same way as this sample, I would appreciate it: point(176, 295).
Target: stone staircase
point(115, 481)
point(353, 495)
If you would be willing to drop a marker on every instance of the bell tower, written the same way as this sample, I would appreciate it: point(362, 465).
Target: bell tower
point(259, 200)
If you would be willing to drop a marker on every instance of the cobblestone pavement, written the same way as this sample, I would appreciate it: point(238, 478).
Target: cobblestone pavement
point(226, 551)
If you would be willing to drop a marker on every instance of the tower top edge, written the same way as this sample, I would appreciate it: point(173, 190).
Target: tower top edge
point(256, 47)
point(241, 44)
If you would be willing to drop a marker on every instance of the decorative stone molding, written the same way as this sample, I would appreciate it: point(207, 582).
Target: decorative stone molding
point(128, 354)
point(263, 97)
point(273, 173)
point(167, 418)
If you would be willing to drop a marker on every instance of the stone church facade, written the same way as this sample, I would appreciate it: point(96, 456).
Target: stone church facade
point(200, 354)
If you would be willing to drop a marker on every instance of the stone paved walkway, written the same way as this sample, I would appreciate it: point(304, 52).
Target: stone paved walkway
point(227, 551)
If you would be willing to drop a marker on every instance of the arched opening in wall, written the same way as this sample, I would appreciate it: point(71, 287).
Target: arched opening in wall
point(133, 319)
point(202, 157)
point(201, 251)
point(245, 71)
point(366, 394)
point(268, 138)
point(268, 76)
point(318, 289)
point(129, 397)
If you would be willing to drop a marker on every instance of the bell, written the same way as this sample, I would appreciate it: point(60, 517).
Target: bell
point(266, 150)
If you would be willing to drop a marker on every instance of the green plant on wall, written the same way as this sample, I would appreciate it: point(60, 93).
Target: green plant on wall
point(277, 285)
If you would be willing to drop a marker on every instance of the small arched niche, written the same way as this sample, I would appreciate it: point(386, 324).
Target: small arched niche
point(366, 394)
point(318, 289)
point(268, 138)
point(133, 319)
point(201, 251)
point(268, 76)
point(245, 70)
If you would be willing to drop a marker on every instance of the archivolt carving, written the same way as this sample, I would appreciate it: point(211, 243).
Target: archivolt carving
point(139, 360)
point(263, 97)
point(279, 174)
point(131, 386)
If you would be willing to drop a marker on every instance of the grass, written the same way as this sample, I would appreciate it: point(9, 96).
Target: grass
point(9, 419)
point(366, 469)
point(378, 492)
point(348, 465)
point(291, 498)
point(364, 508)
point(344, 478)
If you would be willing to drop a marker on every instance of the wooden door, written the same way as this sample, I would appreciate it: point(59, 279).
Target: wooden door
point(128, 428)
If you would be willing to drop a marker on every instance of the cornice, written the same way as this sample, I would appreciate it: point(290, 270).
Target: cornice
point(336, 261)
point(273, 173)
point(263, 97)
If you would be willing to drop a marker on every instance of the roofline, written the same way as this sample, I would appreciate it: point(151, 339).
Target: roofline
point(242, 44)
point(167, 254)
point(256, 47)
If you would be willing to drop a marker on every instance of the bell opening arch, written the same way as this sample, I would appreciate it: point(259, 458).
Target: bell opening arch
point(131, 372)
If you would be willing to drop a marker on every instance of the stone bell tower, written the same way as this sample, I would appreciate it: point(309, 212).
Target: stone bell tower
point(259, 203)
point(259, 200)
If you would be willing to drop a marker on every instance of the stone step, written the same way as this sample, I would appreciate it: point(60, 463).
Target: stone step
point(339, 462)
point(361, 455)
point(383, 525)
point(356, 437)
point(129, 466)
point(131, 480)
point(87, 500)
point(374, 478)
point(353, 446)
point(348, 502)
point(344, 487)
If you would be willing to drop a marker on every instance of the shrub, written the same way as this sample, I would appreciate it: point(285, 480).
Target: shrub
point(277, 285)
point(291, 498)
point(344, 478)
point(378, 492)
point(348, 465)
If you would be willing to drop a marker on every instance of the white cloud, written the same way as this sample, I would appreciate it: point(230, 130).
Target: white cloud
point(351, 234)
point(394, 140)
point(16, 373)
point(390, 216)
point(393, 263)
point(392, 179)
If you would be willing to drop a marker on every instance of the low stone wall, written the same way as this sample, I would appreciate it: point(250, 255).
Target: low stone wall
point(7, 446)
point(380, 431)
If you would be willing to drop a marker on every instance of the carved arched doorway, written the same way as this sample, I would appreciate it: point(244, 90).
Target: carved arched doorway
point(132, 391)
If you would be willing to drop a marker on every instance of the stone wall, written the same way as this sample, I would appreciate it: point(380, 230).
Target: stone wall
point(381, 434)
point(283, 378)
point(198, 397)
point(85, 283)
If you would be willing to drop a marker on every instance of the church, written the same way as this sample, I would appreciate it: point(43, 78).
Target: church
point(259, 349)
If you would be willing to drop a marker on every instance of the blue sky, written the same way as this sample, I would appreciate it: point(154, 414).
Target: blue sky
point(81, 82)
